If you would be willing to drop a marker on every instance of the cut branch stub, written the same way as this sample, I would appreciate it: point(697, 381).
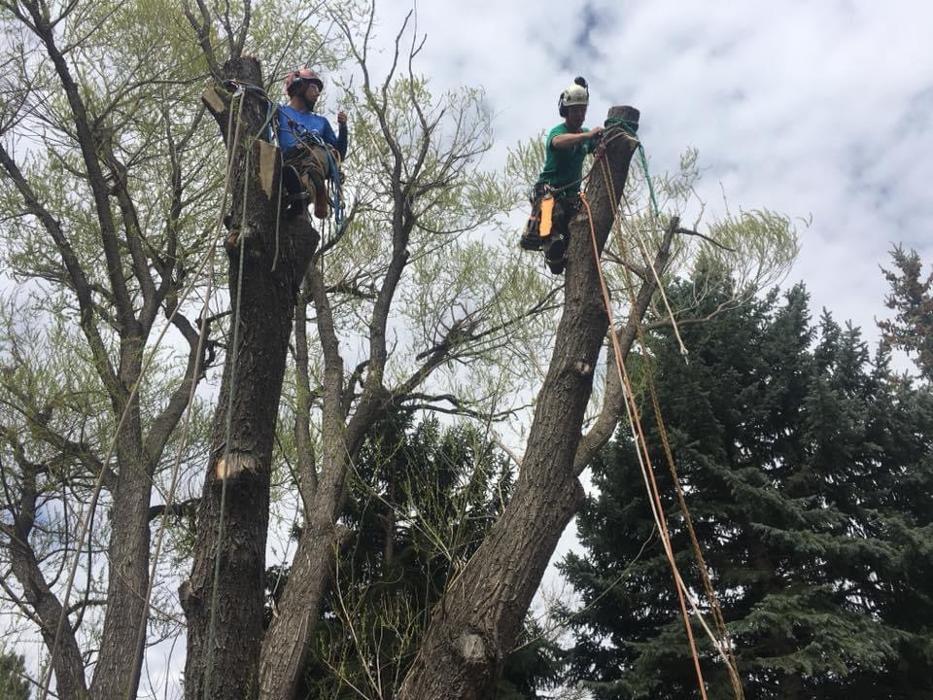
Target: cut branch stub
point(625, 113)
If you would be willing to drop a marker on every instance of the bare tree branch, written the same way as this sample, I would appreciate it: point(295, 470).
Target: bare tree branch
point(613, 395)
point(202, 29)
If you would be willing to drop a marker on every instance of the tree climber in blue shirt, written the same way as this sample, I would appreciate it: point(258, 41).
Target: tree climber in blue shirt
point(556, 194)
point(310, 149)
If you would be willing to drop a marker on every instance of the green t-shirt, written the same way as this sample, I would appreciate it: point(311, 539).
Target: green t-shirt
point(563, 168)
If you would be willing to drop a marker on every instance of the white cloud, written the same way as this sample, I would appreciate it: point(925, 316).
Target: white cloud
point(818, 110)
point(808, 109)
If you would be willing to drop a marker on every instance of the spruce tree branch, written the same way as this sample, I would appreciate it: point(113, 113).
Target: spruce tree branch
point(554, 631)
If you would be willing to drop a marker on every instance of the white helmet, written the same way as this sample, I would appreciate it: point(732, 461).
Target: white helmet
point(576, 94)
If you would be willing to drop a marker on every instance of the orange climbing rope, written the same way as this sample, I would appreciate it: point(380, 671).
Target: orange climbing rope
point(723, 645)
point(721, 642)
point(643, 458)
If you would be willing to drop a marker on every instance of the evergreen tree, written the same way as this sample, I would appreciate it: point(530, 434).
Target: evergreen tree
point(807, 470)
point(421, 499)
point(536, 665)
point(911, 297)
point(13, 683)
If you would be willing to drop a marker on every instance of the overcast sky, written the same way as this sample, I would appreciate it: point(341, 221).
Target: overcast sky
point(818, 110)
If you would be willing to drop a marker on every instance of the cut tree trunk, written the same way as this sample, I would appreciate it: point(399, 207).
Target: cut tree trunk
point(224, 639)
point(477, 621)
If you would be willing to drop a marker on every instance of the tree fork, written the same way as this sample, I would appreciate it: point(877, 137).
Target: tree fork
point(224, 643)
point(475, 624)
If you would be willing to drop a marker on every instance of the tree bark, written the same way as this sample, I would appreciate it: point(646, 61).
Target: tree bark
point(68, 664)
point(476, 623)
point(50, 616)
point(285, 645)
point(117, 672)
point(224, 639)
point(286, 642)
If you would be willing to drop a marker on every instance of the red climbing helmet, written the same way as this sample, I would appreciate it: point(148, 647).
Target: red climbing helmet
point(303, 74)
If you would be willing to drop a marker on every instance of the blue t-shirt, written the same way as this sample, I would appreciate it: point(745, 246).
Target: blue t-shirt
point(295, 125)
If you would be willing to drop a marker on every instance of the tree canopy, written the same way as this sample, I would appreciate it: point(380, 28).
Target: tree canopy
point(128, 202)
point(808, 466)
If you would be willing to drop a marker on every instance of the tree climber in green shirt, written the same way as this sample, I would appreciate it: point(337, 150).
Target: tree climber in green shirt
point(556, 194)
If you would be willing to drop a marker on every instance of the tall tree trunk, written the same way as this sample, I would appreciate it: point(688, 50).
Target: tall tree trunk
point(67, 662)
point(476, 622)
point(225, 625)
point(117, 671)
point(286, 642)
point(285, 645)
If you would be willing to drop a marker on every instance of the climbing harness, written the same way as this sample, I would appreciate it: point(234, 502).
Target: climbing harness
point(541, 220)
point(549, 203)
point(327, 168)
